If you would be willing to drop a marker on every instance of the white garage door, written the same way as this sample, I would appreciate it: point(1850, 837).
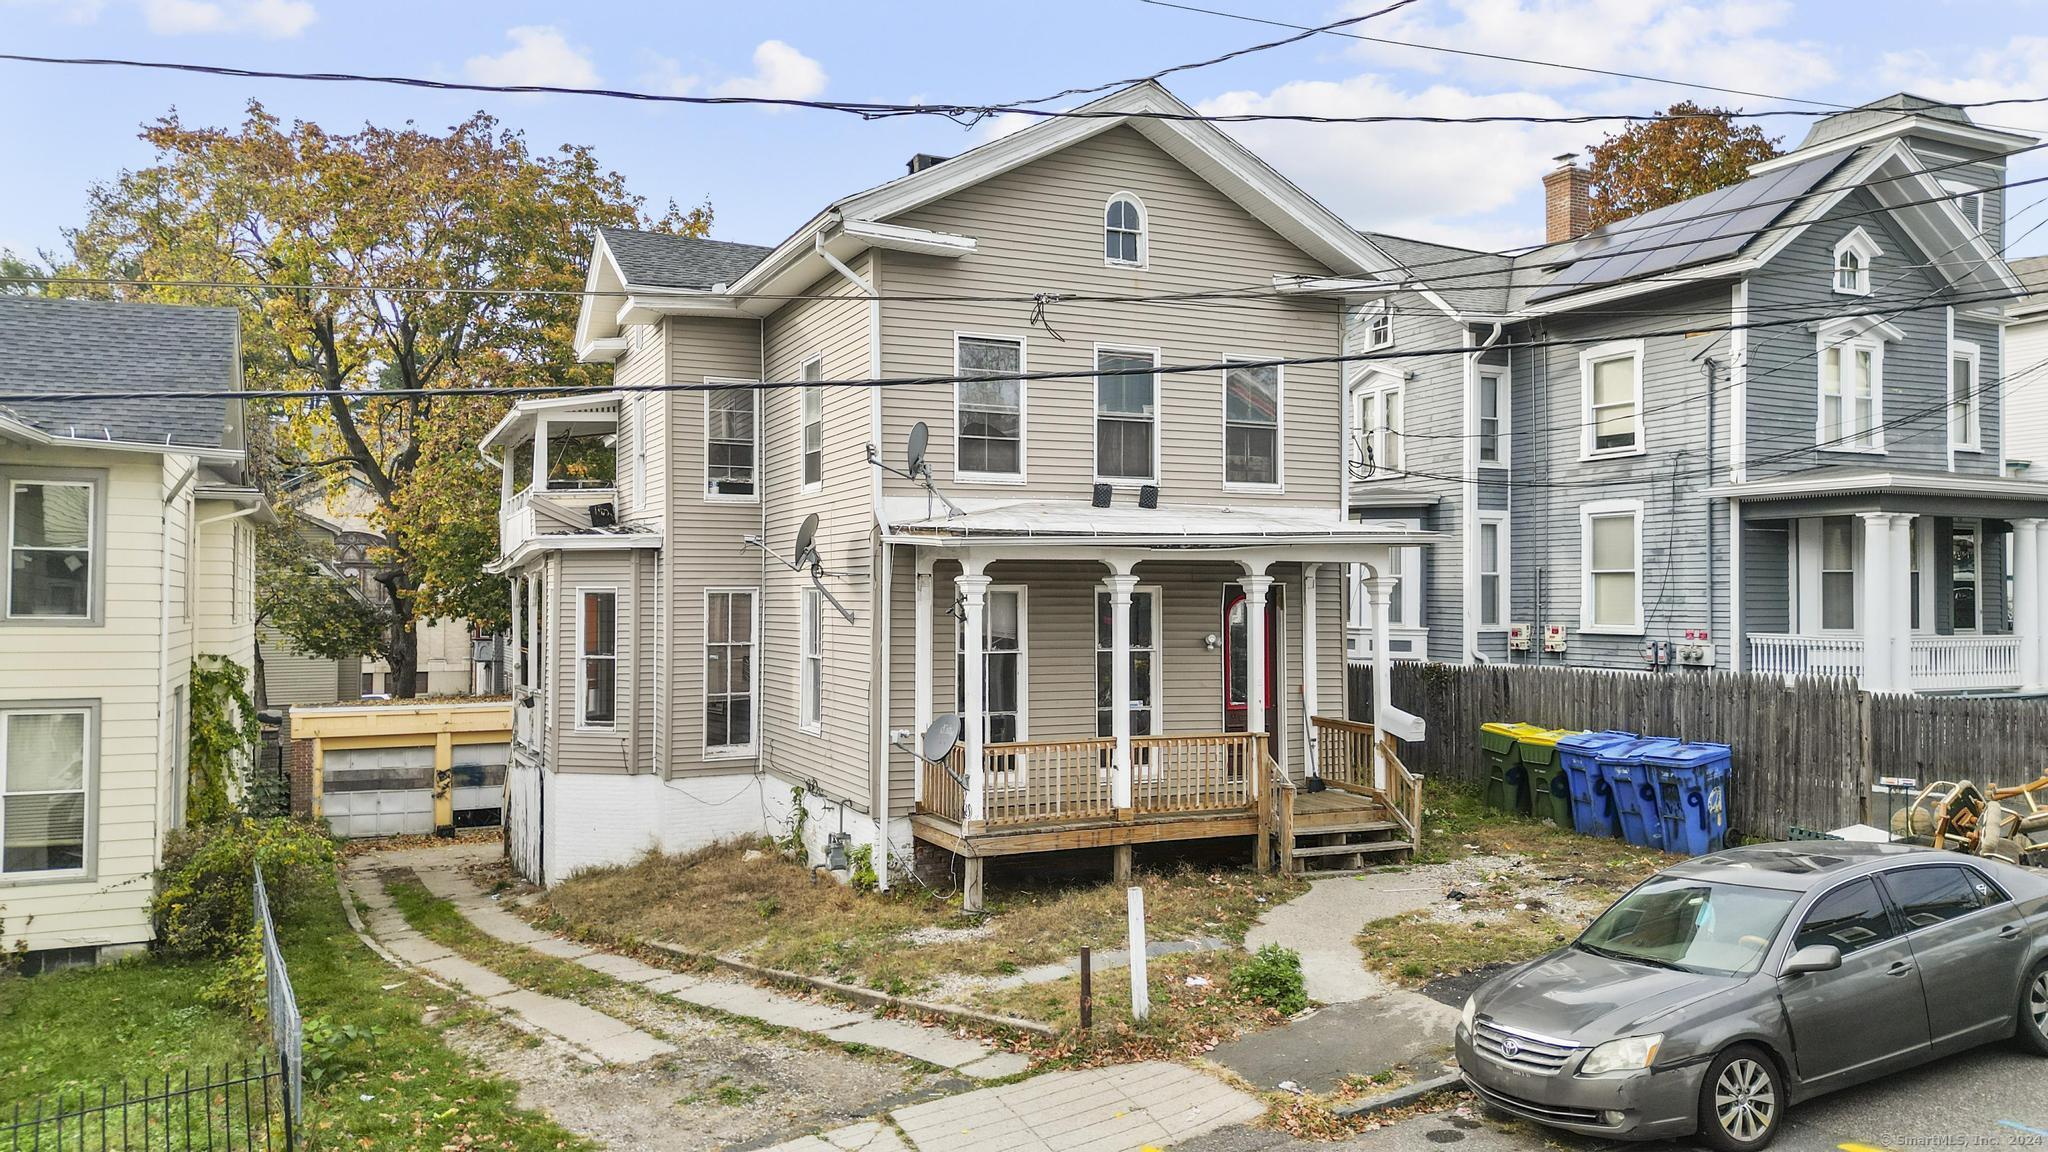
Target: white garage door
point(379, 791)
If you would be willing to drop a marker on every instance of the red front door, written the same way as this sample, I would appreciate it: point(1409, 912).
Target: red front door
point(1237, 664)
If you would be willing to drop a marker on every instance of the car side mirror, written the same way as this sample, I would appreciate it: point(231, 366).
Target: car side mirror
point(1812, 958)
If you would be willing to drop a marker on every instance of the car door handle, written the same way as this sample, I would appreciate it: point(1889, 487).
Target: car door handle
point(2009, 932)
point(1898, 968)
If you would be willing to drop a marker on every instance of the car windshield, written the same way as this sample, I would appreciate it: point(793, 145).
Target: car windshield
point(1692, 925)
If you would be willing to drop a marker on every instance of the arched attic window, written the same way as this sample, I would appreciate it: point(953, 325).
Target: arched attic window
point(1123, 231)
point(1853, 256)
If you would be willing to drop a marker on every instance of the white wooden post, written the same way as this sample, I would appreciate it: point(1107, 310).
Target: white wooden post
point(1310, 704)
point(1901, 568)
point(1255, 589)
point(1877, 607)
point(2039, 559)
point(1141, 988)
point(1379, 591)
point(974, 596)
point(2026, 599)
point(540, 454)
point(921, 659)
point(1120, 586)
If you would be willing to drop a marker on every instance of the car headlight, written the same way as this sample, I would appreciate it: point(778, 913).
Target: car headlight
point(1624, 1055)
point(1470, 1013)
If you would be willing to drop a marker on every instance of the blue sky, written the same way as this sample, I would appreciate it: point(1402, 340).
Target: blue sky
point(764, 171)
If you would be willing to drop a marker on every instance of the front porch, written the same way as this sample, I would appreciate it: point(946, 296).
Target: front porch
point(1117, 689)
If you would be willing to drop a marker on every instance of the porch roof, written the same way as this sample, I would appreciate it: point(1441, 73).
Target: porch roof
point(1054, 522)
point(1897, 490)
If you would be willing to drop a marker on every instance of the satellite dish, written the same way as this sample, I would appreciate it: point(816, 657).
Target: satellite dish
point(806, 538)
point(920, 437)
point(940, 738)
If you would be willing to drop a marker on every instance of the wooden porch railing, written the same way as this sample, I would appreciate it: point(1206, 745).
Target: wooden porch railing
point(1210, 773)
point(1036, 781)
point(940, 793)
point(1344, 753)
point(1404, 792)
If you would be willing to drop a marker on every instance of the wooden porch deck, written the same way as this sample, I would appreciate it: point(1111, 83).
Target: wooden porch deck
point(1056, 796)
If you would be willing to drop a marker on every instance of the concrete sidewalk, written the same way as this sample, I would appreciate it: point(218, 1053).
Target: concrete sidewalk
point(1120, 1109)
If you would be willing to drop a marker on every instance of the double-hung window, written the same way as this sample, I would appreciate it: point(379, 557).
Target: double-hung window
point(1002, 665)
point(1838, 573)
point(729, 671)
point(45, 764)
point(1851, 394)
point(1378, 320)
point(1612, 384)
point(989, 412)
point(814, 424)
point(810, 689)
point(597, 657)
point(1251, 426)
point(1611, 537)
point(1493, 570)
point(50, 542)
point(1126, 415)
point(731, 443)
point(1376, 423)
point(1964, 419)
point(1493, 417)
point(1123, 231)
point(1144, 651)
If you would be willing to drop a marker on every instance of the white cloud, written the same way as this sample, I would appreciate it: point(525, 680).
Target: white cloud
point(2017, 68)
point(68, 11)
point(780, 73)
point(273, 19)
point(539, 55)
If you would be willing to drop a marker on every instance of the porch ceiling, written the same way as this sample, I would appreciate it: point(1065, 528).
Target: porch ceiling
point(1849, 489)
point(1067, 527)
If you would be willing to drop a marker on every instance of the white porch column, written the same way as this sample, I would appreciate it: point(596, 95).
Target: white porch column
point(1310, 698)
point(1255, 589)
point(921, 657)
point(2026, 600)
point(1379, 592)
point(540, 454)
point(973, 596)
point(1120, 585)
point(1901, 577)
point(1879, 623)
point(2039, 560)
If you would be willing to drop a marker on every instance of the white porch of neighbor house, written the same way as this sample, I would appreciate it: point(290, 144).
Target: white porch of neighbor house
point(1185, 771)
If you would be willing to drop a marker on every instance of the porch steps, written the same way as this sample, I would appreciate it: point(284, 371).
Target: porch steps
point(1303, 852)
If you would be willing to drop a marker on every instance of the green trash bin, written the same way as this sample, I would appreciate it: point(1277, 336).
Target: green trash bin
point(1507, 782)
point(1550, 796)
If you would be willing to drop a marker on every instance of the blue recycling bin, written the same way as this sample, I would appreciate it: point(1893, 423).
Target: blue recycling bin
point(1691, 785)
point(1592, 798)
point(1633, 785)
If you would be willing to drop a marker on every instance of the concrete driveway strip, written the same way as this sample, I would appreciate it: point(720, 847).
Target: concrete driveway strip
point(1118, 1109)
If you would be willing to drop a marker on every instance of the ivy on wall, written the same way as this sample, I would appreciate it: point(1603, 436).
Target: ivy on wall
point(223, 738)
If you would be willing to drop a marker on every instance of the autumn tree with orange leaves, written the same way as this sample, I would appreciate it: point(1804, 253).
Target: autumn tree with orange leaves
point(1688, 151)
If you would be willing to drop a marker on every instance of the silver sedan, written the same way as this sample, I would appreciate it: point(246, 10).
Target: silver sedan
point(1720, 991)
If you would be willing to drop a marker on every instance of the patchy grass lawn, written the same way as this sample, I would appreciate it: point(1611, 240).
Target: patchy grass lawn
point(440, 920)
point(1187, 1019)
point(1522, 888)
point(769, 910)
point(402, 1091)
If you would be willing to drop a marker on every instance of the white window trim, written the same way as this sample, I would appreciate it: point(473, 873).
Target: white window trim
point(807, 487)
point(1023, 411)
point(1279, 483)
point(1589, 433)
point(1371, 315)
point(1958, 190)
point(1974, 430)
point(583, 657)
point(1157, 703)
point(1850, 340)
point(1504, 422)
point(1503, 569)
point(1587, 514)
point(810, 637)
point(96, 547)
point(1023, 655)
point(1866, 249)
point(89, 757)
point(1374, 382)
point(719, 498)
point(752, 747)
point(1095, 416)
point(1144, 260)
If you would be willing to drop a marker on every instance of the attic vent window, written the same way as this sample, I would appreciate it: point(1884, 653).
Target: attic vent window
point(1853, 256)
point(1123, 231)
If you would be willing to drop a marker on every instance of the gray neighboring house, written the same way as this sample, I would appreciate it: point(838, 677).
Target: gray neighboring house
point(1841, 505)
point(2026, 393)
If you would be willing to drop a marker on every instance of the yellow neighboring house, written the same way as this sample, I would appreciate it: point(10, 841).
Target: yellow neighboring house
point(130, 551)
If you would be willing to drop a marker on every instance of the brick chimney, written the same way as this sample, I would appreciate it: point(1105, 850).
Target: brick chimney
point(1567, 201)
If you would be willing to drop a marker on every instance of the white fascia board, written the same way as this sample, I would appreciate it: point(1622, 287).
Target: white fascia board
point(29, 434)
point(601, 351)
point(523, 411)
point(899, 238)
point(1945, 484)
point(1335, 286)
point(1948, 131)
point(593, 319)
point(594, 542)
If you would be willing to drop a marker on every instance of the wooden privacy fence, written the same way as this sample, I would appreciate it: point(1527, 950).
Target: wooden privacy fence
point(1806, 751)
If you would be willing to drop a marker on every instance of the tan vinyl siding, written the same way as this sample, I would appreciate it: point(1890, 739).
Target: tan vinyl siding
point(643, 489)
point(836, 329)
point(292, 677)
point(596, 750)
point(1039, 229)
point(705, 548)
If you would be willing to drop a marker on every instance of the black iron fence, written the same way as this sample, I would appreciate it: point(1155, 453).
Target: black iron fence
point(223, 1107)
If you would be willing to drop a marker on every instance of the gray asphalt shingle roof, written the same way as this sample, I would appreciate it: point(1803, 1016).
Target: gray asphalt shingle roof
point(1473, 283)
point(58, 346)
point(659, 260)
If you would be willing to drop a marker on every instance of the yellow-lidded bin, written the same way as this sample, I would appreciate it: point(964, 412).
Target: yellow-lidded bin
point(1550, 796)
point(1507, 783)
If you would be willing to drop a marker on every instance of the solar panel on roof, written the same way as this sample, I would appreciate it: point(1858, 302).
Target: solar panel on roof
point(1707, 227)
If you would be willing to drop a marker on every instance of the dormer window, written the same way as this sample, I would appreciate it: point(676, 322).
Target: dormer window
point(1123, 231)
point(1853, 256)
point(1379, 326)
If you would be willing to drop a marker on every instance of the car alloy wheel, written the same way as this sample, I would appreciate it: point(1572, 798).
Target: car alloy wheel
point(2037, 1002)
point(1745, 1100)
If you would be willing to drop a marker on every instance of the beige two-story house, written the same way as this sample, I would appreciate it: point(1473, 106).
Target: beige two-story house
point(1048, 436)
point(130, 553)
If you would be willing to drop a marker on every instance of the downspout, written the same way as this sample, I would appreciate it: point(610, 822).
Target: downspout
point(1469, 622)
point(1540, 376)
point(163, 643)
point(1713, 371)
